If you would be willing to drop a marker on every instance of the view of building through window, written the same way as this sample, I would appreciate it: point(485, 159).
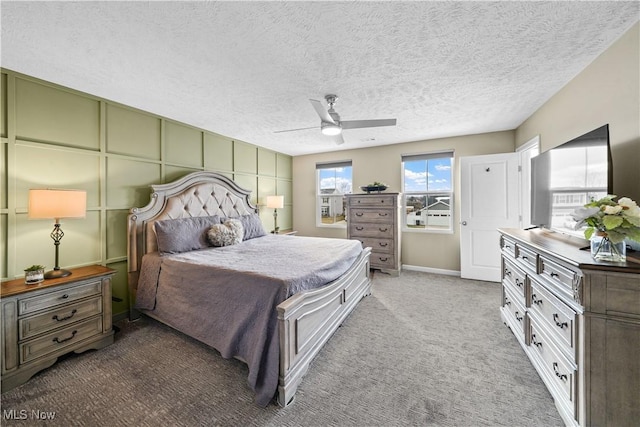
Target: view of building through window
point(428, 191)
point(334, 181)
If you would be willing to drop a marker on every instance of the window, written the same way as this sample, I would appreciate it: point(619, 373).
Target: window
point(333, 182)
point(428, 191)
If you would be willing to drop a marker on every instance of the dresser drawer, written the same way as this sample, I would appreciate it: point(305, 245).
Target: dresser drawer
point(558, 318)
point(40, 323)
point(527, 258)
point(371, 200)
point(371, 230)
point(382, 260)
point(63, 296)
point(561, 276)
point(508, 246)
point(514, 278)
point(515, 312)
point(61, 338)
point(559, 373)
point(377, 245)
point(371, 215)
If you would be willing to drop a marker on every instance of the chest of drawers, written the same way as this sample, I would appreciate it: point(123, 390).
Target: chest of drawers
point(42, 322)
point(374, 220)
point(578, 322)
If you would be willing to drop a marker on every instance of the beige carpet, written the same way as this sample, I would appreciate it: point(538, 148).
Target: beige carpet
point(422, 350)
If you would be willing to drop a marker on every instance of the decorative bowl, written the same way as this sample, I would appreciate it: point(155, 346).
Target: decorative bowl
point(370, 188)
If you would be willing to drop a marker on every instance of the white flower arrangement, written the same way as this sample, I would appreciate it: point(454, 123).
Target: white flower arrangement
point(615, 220)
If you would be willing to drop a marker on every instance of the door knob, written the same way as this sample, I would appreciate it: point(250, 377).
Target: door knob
point(464, 223)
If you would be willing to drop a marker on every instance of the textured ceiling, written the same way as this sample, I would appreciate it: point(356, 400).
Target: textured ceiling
point(247, 69)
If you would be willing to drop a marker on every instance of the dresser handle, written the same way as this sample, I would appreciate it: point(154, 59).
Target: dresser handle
point(563, 377)
point(534, 300)
point(506, 301)
point(359, 228)
point(359, 214)
point(519, 283)
point(507, 272)
point(384, 230)
point(524, 257)
point(560, 325)
point(383, 259)
point(519, 319)
point(59, 341)
point(383, 244)
point(62, 319)
point(382, 214)
point(554, 274)
point(65, 296)
point(534, 342)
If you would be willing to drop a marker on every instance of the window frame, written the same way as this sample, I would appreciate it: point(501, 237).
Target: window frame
point(320, 204)
point(426, 193)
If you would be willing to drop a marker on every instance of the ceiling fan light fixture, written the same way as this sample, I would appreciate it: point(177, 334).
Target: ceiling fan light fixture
point(330, 129)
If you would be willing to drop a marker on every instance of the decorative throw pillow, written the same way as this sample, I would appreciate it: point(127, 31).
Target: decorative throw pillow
point(252, 226)
point(183, 234)
point(229, 233)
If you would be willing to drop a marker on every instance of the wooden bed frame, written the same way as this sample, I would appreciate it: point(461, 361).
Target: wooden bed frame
point(306, 321)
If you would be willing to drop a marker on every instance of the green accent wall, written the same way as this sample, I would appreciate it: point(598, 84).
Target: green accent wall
point(55, 137)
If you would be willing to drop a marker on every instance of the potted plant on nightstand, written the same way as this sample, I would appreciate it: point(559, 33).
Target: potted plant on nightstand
point(34, 274)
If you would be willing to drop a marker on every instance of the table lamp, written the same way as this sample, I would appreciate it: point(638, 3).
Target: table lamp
point(275, 203)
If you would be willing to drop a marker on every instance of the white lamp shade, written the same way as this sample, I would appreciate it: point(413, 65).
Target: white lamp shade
point(275, 202)
point(57, 204)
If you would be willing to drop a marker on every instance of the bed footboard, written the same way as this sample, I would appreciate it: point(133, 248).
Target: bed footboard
point(307, 320)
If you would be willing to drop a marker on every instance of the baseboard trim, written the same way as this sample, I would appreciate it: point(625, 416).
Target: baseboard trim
point(431, 270)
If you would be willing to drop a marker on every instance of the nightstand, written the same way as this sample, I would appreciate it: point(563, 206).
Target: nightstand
point(44, 321)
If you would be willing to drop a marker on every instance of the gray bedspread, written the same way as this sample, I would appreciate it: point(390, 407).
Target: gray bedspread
point(226, 297)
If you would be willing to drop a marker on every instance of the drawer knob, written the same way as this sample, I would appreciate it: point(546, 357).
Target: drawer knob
point(558, 324)
point(65, 296)
point(524, 257)
point(534, 341)
point(518, 317)
point(383, 229)
point(60, 341)
point(359, 228)
point(563, 377)
point(383, 259)
point(535, 300)
point(519, 282)
point(553, 274)
point(62, 319)
point(382, 214)
point(507, 272)
point(383, 244)
point(359, 214)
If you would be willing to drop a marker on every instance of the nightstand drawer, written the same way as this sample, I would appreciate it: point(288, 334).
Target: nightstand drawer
point(64, 296)
point(40, 323)
point(61, 338)
point(371, 215)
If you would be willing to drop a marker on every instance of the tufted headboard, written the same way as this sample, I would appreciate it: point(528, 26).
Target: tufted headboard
point(197, 194)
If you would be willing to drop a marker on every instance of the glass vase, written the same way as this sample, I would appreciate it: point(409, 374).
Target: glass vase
point(603, 249)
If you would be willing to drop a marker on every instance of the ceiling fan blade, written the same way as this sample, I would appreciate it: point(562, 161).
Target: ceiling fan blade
point(338, 139)
point(294, 130)
point(322, 112)
point(355, 124)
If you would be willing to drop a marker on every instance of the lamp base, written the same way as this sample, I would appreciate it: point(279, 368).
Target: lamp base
point(56, 274)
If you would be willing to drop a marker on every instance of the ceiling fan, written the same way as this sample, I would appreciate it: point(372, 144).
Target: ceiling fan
point(331, 125)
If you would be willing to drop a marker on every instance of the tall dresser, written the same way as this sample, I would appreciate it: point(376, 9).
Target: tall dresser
point(578, 322)
point(374, 219)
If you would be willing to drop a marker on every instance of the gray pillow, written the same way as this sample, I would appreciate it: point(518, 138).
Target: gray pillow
point(183, 234)
point(229, 233)
point(252, 226)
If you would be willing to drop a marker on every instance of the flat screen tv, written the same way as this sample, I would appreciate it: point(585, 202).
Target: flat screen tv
point(568, 176)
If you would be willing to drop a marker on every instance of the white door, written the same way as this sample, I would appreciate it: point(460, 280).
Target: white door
point(489, 200)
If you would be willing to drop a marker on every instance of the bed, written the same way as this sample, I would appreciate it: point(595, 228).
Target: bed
point(249, 300)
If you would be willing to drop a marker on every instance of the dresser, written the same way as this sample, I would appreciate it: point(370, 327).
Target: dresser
point(374, 219)
point(578, 322)
point(44, 321)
